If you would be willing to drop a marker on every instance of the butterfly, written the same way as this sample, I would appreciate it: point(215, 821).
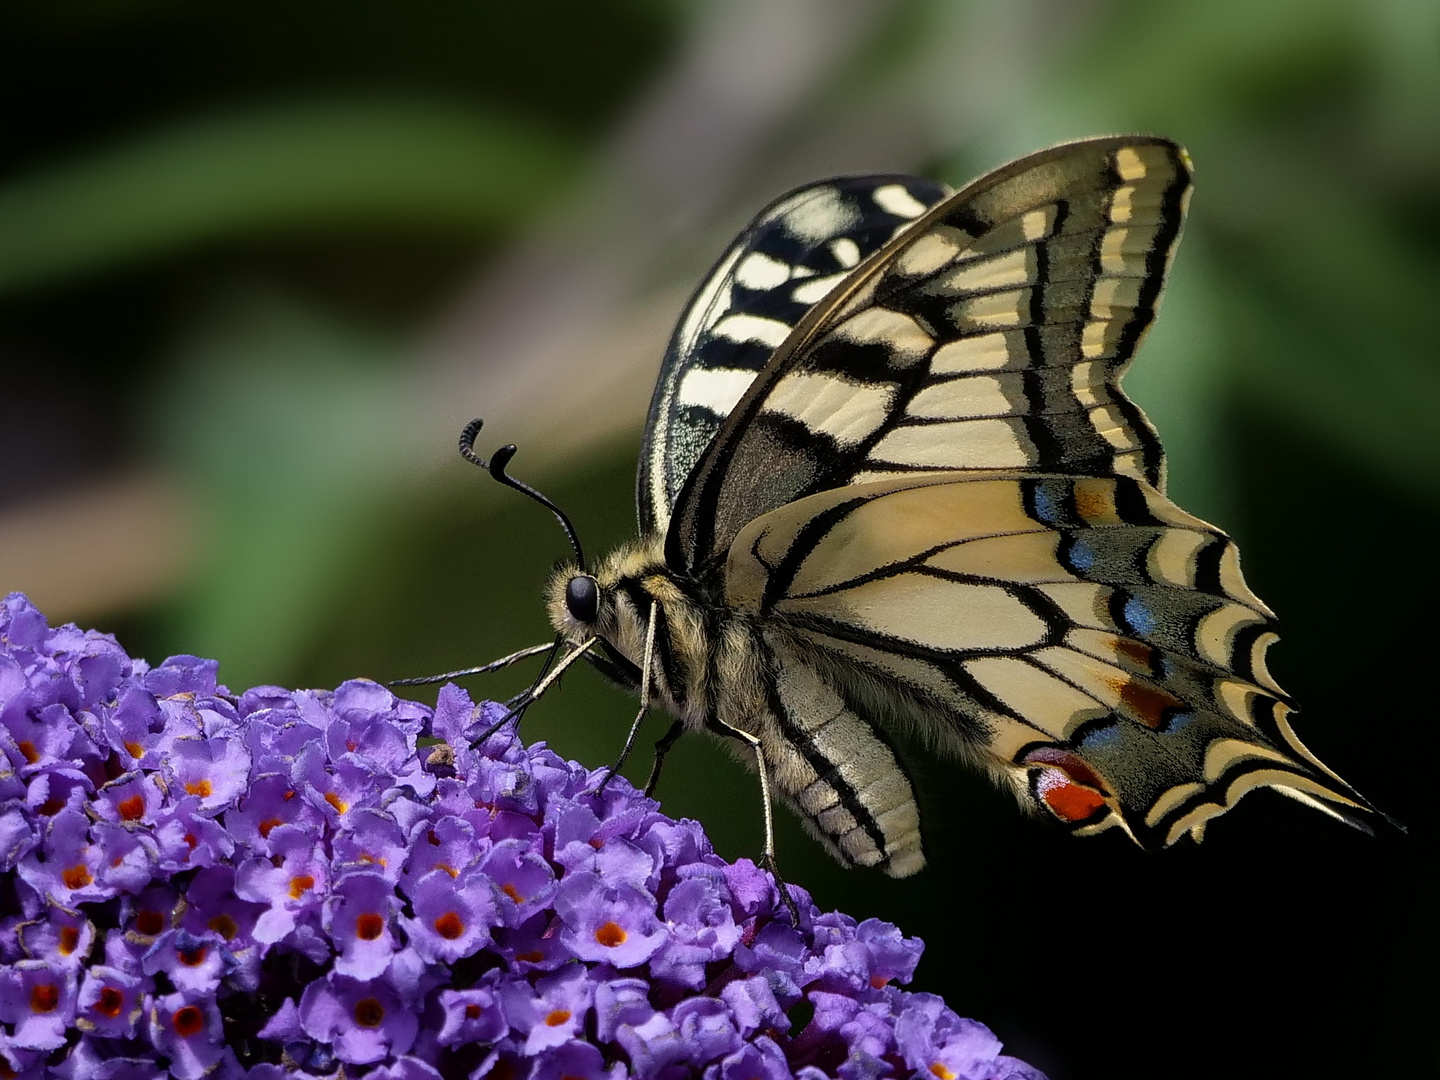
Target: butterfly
point(891, 493)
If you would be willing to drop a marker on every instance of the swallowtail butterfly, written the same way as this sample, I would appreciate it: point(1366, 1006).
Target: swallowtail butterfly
point(890, 486)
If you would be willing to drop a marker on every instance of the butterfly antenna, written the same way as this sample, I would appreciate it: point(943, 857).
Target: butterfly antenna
point(496, 468)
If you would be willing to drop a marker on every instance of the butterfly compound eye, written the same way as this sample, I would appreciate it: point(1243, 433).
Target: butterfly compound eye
point(582, 597)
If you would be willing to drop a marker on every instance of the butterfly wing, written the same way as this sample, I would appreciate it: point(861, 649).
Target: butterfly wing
point(1085, 639)
point(793, 253)
point(991, 334)
point(939, 510)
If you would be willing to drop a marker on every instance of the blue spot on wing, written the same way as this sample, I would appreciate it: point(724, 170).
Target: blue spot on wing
point(1139, 618)
point(1080, 555)
point(1178, 722)
point(1104, 737)
point(1047, 508)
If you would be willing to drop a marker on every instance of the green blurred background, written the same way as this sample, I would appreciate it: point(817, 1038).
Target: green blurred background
point(259, 262)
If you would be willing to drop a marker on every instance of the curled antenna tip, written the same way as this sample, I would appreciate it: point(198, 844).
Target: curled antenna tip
point(496, 468)
point(500, 459)
point(467, 442)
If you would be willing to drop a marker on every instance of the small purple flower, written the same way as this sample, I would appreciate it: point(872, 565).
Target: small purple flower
point(471, 1016)
point(295, 884)
point(111, 1002)
point(365, 1021)
point(551, 1013)
point(610, 925)
point(187, 1030)
point(359, 916)
point(213, 770)
point(934, 1040)
point(452, 917)
point(38, 1001)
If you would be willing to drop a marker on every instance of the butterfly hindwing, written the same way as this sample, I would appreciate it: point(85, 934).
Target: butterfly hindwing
point(1090, 643)
point(793, 253)
point(990, 335)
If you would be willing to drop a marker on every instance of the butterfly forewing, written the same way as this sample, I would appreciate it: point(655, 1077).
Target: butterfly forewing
point(990, 335)
point(793, 253)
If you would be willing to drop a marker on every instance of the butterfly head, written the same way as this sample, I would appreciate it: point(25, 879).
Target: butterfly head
point(610, 601)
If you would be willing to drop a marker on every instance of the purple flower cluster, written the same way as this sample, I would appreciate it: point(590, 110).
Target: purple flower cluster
point(195, 884)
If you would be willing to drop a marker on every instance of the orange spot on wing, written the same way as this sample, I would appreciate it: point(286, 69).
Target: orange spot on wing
point(1068, 786)
point(1136, 651)
point(1148, 703)
point(1072, 802)
point(1094, 500)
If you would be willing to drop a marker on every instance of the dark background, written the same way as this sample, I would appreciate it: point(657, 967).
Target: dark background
point(259, 262)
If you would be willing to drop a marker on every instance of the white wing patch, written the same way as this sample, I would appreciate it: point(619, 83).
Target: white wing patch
point(847, 412)
point(898, 201)
point(752, 328)
point(716, 389)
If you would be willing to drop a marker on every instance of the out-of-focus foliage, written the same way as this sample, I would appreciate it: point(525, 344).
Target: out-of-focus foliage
point(239, 242)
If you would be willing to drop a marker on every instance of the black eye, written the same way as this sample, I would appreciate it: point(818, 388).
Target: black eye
point(582, 597)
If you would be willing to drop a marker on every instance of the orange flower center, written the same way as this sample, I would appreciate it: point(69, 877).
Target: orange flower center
point(369, 926)
point(110, 1002)
point(558, 1017)
point(187, 1021)
point(69, 939)
point(225, 926)
point(201, 787)
point(610, 934)
point(132, 809)
point(44, 998)
point(369, 1013)
point(449, 926)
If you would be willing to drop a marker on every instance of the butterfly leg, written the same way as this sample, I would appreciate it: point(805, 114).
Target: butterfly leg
point(644, 699)
point(493, 665)
point(662, 747)
point(767, 857)
point(518, 704)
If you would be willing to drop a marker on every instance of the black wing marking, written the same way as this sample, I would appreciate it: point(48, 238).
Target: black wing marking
point(991, 335)
point(787, 259)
